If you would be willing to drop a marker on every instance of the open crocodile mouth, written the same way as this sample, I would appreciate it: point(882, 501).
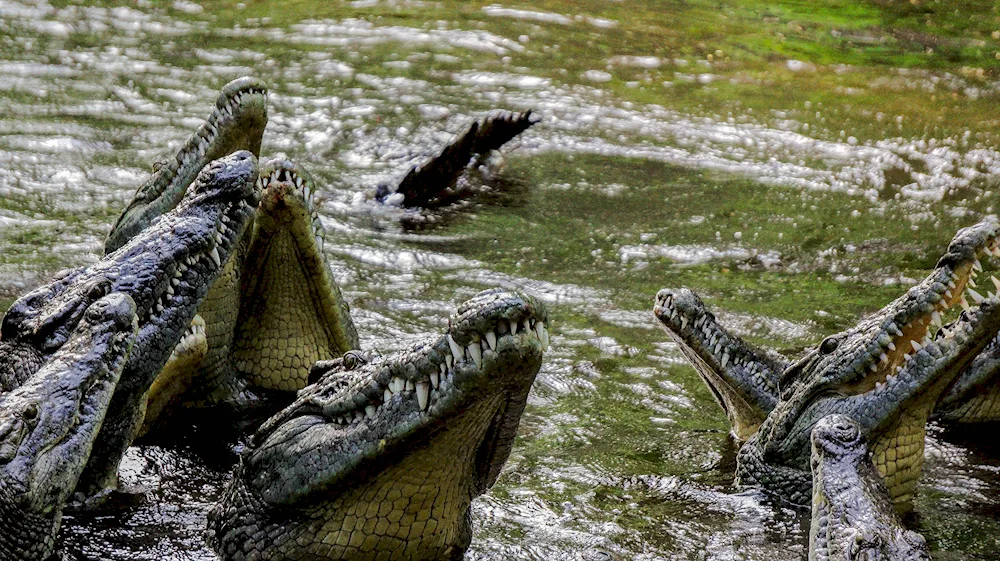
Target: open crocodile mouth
point(185, 270)
point(447, 365)
point(231, 106)
point(284, 188)
point(923, 313)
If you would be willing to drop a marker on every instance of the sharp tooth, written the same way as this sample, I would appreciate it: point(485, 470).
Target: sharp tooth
point(951, 285)
point(976, 297)
point(936, 318)
point(684, 322)
point(491, 340)
point(435, 379)
point(513, 328)
point(965, 304)
point(397, 385)
point(175, 281)
point(370, 411)
point(977, 265)
point(972, 283)
point(948, 294)
point(907, 356)
point(916, 346)
point(996, 282)
point(545, 339)
point(894, 329)
point(883, 357)
point(170, 289)
point(219, 239)
point(873, 367)
point(386, 395)
point(159, 308)
point(725, 359)
point(423, 393)
point(476, 353)
point(525, 325)
point(214, 254)
point(450, 359)
point(455, 348)
point(409, 386)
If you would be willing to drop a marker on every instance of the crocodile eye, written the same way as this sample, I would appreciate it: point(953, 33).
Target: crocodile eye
point(829, 345)
point(99, 290)
point(353, 359)
point(30, 412)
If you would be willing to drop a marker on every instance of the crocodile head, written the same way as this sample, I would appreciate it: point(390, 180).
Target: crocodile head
point(383, 455)
point(291, 311)
point(852, 516)
point(887, 373)
point(975, 395)
point(742, 377)
point(49, 424)
point(236, 123)
point(166, 269)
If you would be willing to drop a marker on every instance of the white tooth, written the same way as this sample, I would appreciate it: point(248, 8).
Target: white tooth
point(725, 359)
point(159, 308)
point(358, 415)
point(951, 284)
point(545, 339)
point(409, 386)
point(397, 385)
point(972, 283)
point(170, 289)
point(965, 304)
point(386, 395)
point(926, 340)
point(455, 349)
point(306, 191)
point(435, 378)
point(476, 353)
point(976, 297)
point(883, 357)
point(175, 281)
point(977, 265)
point(525, 325)
point(450, 359)
point(873, 367)
point(684, 322)
point(423, 393)
point(491, 340)
point(539, 328)
point(370, 411)
point(907, 356)
point(948, 294)
point(214, 254)
point(916, 346)
point(996, 282)
point(219, 239)
point(513, 328)
point(936, 318)
point(879, 385)
point(892, 346)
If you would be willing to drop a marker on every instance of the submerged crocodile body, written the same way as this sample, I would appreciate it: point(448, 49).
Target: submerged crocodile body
point(852, 516)
point(887, 373)
point(382, 456)
point(49, 423)
point(166, 270)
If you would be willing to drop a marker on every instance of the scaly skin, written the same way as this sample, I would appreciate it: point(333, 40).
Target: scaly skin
point(236, 123)
point(382, 456)
point(852, 516)
point(274, 311)
point(48, 426)
point(742, 377)
point(975, 395)
point(434, 183)
point(869, 373)
point(166, 270)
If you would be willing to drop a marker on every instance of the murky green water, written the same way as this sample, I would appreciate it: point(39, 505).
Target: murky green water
point(683, 144)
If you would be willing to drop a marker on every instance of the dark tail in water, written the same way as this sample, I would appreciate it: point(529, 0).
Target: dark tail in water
point(433, 183)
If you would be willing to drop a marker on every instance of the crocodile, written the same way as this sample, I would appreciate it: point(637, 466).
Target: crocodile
point(48, 426)
point(236, 123)
point(886, 372)
point(434, 183)
point(382, 455)
point(852, 514)
point(742, 377)
point(275, 310)
point(166, 269)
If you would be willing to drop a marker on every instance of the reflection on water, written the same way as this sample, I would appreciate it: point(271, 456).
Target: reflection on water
point(622, 453)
